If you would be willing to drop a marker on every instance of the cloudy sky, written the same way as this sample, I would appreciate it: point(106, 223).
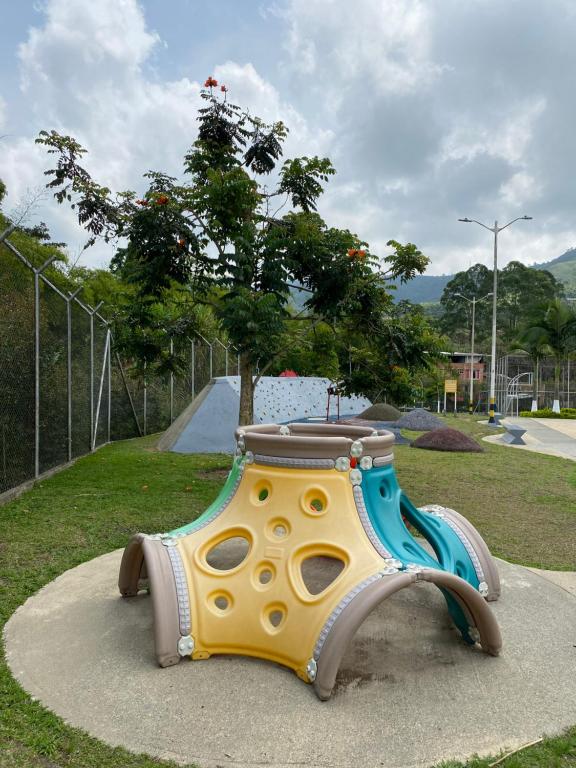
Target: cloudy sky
point(430, 109)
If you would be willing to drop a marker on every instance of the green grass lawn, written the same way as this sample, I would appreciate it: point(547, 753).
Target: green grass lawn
point(523, 503)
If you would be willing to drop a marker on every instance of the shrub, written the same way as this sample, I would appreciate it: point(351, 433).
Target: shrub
point(548, 413)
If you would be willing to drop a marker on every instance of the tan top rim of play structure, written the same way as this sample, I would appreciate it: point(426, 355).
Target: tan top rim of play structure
point(317, 441)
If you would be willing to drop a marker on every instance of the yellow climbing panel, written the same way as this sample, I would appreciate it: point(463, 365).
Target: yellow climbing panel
point(262, 606)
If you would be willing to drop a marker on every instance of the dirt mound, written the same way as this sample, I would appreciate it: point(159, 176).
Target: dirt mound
point(420, 420)
point(381, 412)
point(447, 439)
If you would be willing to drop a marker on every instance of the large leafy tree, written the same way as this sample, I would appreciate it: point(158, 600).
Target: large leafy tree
point(520, 288)
point(222, 233)
point(454, 320)
point(391, 352)
point(552, 328)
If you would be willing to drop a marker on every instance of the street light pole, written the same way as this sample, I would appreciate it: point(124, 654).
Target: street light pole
point(495, 230)
point(472, 301)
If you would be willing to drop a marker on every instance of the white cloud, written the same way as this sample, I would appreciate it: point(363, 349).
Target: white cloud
point(430, 110)
point(84, 73)
point(388, 39)
point(439, 110)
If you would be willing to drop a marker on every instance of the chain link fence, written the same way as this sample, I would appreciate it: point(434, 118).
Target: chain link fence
point(514, 383)
point(64, 390)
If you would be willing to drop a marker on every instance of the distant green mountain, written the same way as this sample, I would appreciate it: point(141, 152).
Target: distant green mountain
point(425, 289)
point(422, 289)
point(564, 270)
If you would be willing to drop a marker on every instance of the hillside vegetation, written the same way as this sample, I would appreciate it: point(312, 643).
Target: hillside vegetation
point(427, 289)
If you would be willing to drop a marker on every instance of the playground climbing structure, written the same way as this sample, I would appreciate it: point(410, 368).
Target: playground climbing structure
point(308, 535)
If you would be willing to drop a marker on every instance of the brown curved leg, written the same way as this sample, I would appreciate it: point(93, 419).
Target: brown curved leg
point(151, 555)
point(357, 610)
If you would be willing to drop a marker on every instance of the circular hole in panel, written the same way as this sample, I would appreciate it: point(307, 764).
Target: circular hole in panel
point(228, 553)
point(261, 492)
point(220, 602)
point(314, 501)
point(278, 528)
point(264, 575)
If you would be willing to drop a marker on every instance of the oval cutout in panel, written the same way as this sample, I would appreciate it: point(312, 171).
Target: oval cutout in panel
point(228, 554)
point(319, 571)
point(264, 575)
point(314, 501)
point(261, 492)
point(274, 617)
point(385, 491)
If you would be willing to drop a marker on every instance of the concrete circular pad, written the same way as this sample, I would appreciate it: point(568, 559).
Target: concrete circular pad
point(409, 692)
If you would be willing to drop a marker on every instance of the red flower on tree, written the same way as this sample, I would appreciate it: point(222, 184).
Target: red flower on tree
point(223, 88)
point(210, 83)
point(162, 200)
point(142, 202)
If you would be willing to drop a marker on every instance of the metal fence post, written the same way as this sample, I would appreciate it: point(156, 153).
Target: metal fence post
point(92, 312)
point(91, 377)
point(36, 374)
point(145, 400)
point(171, 382)
point(109, 391)
point(192, 369)
point(101, 387)
point(71, 296)
point(209, 347)
point(37, 272)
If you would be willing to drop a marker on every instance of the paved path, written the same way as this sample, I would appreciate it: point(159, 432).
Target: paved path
point(409, 693)
point(555, 437)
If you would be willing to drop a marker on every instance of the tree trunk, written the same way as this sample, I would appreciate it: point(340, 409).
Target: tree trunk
point(246, 415)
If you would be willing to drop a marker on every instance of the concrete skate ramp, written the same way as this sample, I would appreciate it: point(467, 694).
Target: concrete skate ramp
point(208, 424)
